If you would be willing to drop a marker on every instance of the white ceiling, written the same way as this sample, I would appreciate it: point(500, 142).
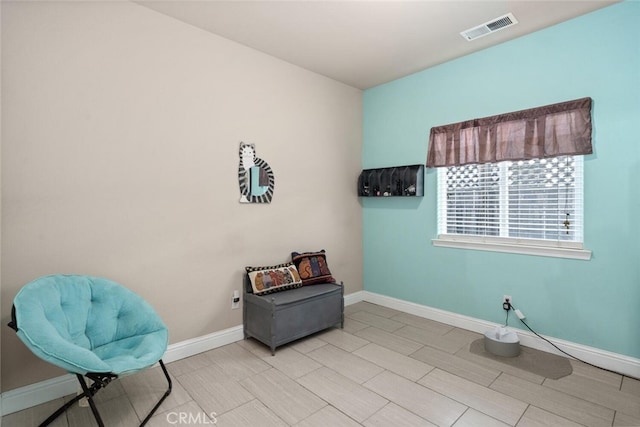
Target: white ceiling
point(364, 43)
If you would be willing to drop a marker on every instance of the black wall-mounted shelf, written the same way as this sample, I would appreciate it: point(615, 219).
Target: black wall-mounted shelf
point(398, 181)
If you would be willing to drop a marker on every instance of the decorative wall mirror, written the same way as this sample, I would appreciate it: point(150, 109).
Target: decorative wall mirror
point(254, 176)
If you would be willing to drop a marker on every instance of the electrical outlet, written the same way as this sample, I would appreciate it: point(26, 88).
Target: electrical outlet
point(506, 302)
point(235, 300)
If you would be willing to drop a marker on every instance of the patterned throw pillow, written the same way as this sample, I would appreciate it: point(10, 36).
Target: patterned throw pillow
point(265, 280)
point(312, 267)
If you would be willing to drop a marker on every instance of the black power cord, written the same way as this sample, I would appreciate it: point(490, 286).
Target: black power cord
point(508, 307)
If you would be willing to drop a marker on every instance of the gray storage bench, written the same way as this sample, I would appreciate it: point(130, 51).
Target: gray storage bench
point(281, 317)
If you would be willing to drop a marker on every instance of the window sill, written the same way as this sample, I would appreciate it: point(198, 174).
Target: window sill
point(495, 245)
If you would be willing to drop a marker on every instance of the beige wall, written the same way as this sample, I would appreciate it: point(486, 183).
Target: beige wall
point(120, 153)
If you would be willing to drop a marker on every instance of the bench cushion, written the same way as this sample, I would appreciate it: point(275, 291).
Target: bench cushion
point(300, 294)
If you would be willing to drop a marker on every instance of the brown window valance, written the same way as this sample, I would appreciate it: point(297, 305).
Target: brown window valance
point(549, 131)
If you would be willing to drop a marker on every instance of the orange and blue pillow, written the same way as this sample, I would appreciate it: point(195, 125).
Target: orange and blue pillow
point(312, 267)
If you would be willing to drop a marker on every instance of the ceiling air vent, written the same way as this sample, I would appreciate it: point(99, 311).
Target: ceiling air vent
point(492, 26)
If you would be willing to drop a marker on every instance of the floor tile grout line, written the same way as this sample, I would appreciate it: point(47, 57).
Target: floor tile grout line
point(443, 335)
point(569, 393)
point(564, 393)
point(461, 415)
point(409, 339)
point(403, 407)
point(523, 413)
point(465, 404)
point(388, 400)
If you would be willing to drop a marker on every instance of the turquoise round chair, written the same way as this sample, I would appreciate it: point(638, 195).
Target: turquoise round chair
point(91, 327)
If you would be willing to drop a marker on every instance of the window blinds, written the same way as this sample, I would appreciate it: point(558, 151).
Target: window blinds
point(526, 199)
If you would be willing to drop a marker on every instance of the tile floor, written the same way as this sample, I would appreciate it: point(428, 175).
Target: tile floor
point(386, 368)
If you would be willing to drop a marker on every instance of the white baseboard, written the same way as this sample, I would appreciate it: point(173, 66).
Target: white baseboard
point(354, 298)
point(54, 388)
point(201, 344)
point(34, 394)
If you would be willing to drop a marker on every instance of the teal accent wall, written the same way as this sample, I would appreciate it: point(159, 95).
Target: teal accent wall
point(594, 303)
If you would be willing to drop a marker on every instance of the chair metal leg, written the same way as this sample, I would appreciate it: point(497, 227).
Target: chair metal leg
point(101, 381)
point(166, 393)
point(61, 410)
point(87, 392)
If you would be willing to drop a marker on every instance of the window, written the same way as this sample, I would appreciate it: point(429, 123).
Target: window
point(530, 206)
point(513, 182)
